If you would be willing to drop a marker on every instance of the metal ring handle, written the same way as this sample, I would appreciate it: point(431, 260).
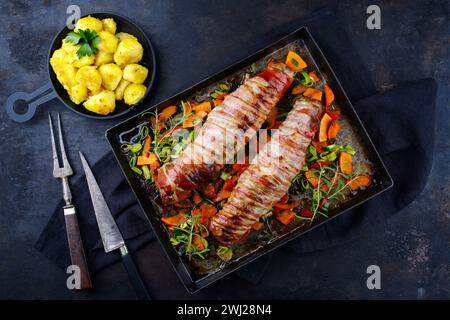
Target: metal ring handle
point(34, 99)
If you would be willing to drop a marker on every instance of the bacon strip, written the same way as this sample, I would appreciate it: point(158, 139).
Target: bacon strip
point(270, 174)
point(240, 115)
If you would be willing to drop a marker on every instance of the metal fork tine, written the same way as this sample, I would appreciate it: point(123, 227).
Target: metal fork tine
point(55, 154)
point(61, 145)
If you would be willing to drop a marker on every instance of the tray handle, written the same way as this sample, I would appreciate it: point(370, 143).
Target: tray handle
point(33, 99)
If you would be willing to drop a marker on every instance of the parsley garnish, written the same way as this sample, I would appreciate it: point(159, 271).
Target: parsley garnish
point(88, 40)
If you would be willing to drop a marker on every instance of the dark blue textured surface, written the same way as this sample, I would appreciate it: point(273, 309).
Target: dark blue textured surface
point(412, 249)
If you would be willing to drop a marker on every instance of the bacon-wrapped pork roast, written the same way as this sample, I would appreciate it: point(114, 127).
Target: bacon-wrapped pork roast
point(270, 174)
point(228, 126)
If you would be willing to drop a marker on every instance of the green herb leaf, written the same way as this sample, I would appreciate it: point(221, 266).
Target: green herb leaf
point(88, 39)
point(73, 37)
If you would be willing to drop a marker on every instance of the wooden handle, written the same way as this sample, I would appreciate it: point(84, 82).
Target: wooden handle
point(76, 246)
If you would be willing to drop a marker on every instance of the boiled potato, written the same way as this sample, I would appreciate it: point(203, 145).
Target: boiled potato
point(108, 42)
point(72, 56)
point(58, 59)
point(121, 89)
point(102, 103)
point(135, 73)
point(89, 23)
point(111, 75)
point(123, 35)
point(128, 51)
point(102, 57)
point(109, 25)
point(133, 93)
point(66, 76)
point(78, 93)
point(90, 77)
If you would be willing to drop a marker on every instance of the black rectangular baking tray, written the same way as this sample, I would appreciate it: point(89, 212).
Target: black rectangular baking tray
point(191, 282)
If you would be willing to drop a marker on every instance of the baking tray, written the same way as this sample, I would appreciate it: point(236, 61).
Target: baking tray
point(192, 281)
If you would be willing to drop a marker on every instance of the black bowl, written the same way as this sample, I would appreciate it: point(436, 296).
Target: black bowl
point(148, 60)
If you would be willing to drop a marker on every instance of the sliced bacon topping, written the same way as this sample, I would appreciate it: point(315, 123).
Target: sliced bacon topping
point(270, 174)
point(228, 126)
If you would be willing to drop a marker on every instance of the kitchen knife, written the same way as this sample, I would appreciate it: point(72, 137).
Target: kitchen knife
point(111, 237)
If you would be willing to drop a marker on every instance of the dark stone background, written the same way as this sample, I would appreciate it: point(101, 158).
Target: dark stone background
point(193, 39)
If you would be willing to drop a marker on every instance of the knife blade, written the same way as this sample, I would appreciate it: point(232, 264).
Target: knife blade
point(111, 237)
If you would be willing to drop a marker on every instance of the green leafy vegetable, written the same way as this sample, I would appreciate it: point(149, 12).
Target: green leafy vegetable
point(88, 39)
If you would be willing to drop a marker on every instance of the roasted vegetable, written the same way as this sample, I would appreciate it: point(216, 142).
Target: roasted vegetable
point(323, 129)
point(345, 163)
point(313, 94)
point(295, 62)
point(329, 95)
point(89, 77)
point(102, 57)
point(334, 129)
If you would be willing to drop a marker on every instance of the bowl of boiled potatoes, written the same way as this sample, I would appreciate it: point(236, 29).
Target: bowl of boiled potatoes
point(102, 68)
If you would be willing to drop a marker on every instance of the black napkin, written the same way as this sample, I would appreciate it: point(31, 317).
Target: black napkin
point(401, 123)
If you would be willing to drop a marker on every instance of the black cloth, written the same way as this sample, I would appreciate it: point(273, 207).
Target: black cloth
point(400, 123)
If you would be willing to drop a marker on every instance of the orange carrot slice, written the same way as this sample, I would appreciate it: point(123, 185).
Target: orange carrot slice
point(286, 216)
point(313, 94)
point(329, 95)
point(333, 130)
point(312, 178)
point(362, 181)
point(323, 129)
point(175, 220)
point(295, 62)
point(345, 163)
point(167, 113)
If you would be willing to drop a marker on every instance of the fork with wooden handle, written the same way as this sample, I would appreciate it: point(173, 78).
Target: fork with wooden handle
point(73, 233)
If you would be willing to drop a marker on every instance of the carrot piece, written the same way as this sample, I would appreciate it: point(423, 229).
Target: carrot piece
point(173, 221)
point(286, 206)
point(222, 195)
point(313, 75)
point(272, 117)
point(196, 198)
point(167, 113)
point(217, 102)
point(362, 181)
point(194, 119)
point(312, 179)
point(329, 95)
point(345, 163)
point(324, 124)
point(209, 191)
point(147, 147)
point(319, 145)
point(160, 123)
point(298, 89)
point(198, 242)
point(295, 62)
point(334, 114)
point(150, 160)
point(313, 94)
point(222, 96)
point(204, 106)
point(208, 211)
point(286, 216)
point(257, 226)
point(333, 130)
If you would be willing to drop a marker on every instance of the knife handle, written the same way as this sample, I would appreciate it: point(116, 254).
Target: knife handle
point(133, 274)
point(76, 246)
